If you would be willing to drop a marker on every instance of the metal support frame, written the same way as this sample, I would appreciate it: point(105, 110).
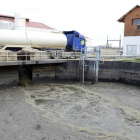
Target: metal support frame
point(98, 57)
point(82, 64)
point(83, 77)
point(114, 40)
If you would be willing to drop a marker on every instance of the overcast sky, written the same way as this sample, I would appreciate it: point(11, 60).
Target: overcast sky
point(94, 18)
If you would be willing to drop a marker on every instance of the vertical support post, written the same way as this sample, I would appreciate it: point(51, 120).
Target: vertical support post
point(7, 56)
point(98, 56)
point(120, 46)
point(94, 71)
point(96, 75)
point(83, 71)
point(26, 55)
point(107, 42)
point(58, 54)
point(120, 43)
point(85, 53)
point(133, 58)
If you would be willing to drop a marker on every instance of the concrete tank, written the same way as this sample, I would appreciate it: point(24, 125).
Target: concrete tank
point(34, 39)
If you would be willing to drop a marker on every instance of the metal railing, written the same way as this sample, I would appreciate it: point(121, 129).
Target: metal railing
point(43, 56)
point(33, 56)
point(24, 57)
point(120, 57)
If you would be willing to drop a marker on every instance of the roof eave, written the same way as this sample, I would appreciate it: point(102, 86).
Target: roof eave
point(122, 19)
point(12, 17)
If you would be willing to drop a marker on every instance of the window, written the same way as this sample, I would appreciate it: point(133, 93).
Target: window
point(136, 21)
point(138, 27)
point(82, 42)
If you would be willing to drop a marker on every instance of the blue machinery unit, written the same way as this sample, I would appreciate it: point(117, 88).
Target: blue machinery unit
point(75, 41)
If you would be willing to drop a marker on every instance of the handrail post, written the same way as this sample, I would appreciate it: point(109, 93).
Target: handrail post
point(98, 57)
point(133, 57)
point(119, 56)
point(83, 71)
point(26, 56)
point(7, 56)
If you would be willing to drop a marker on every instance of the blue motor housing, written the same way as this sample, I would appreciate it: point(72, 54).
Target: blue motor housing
point(75, 41)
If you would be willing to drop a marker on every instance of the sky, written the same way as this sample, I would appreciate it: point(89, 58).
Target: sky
point(92, 18)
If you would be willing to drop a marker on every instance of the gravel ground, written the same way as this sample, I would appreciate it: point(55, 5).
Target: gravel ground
point(58, 111)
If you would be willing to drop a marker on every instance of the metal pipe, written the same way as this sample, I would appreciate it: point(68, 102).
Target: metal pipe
point(120, 43)
point(98, 57)
point(94, 73)
point(85, 52)
point(97, 67)
point(83, 71)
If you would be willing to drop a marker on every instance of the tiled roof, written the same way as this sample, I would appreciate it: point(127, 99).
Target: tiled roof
point(37, 25)
point(28, 23)
point(6, 19)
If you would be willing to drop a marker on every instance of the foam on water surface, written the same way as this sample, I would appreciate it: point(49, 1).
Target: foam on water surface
point(85, 110)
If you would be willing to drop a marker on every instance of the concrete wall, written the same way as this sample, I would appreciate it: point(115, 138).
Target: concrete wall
point(62, 72)
point(9, 76)
point(48, 72)
point(112, 71)
point(125, 72)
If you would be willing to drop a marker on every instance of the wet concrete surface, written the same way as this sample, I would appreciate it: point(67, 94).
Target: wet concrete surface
point(66, 111)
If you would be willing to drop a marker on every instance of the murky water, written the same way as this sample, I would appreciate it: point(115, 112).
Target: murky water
point(85, 110)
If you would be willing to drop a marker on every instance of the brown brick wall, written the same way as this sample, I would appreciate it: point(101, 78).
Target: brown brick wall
point(131, 30)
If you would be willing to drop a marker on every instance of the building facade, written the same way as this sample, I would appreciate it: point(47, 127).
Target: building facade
point(131, 42)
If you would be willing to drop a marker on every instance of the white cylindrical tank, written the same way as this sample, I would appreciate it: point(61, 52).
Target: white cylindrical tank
point(34, 39)
point(20, 23)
